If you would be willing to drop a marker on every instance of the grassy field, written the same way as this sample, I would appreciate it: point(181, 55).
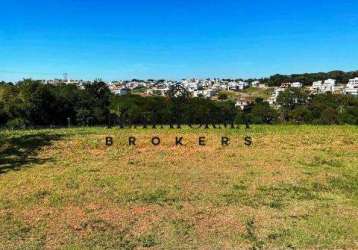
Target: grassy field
point(295, 187)
point(257, 92)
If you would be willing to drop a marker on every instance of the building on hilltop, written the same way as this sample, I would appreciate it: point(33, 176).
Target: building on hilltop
point(320, 87)
point(329, 85)
point(255, 84)
point(296, 85)
point(273, 99)
point(352, 87)
point(237, 86)
point(242, 103)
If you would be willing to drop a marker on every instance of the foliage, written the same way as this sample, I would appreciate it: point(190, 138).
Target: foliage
point(297, 106)
point(33, 104)
point(223, 96)
point(261, 113)
point(308, 78)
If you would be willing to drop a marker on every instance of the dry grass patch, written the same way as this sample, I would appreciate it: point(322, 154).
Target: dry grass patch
point(295, 187)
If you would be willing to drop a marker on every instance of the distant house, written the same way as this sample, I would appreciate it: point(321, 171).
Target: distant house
point(255, 84)
point(285, 85)
point(273, 99)
point(158, 91)
point(243, 85)
point(262, 86)
point(198, 93)
point(296, 85)
point(242, 103)
point(328, 86)
point(353, 81)
point(236, 86)
point(122, 91)
point(219, 87)
point(233, 86)
point(55, 81)
point(291, 85)
point(316, 87)
point(70, 81)
point(207, 93)
point(352, 87)
point(191, 86)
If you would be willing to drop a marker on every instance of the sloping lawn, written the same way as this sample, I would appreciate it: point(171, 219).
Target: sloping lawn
point(295, 187)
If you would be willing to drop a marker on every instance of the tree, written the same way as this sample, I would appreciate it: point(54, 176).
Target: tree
point(222, 96)
point(260, 112)
point(291, 98)
point(301, 114)
point(96, 99)
point(308, 78)
point(329, 116)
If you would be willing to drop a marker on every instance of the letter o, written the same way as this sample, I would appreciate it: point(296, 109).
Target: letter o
point(156, 141)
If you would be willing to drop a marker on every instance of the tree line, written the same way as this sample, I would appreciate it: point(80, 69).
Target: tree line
point(308, 78)
point(30, 104)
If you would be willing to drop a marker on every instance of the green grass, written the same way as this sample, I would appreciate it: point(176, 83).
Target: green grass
point(257, 92)
point(295, 187)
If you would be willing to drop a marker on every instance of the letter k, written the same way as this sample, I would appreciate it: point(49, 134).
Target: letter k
point(179, 141)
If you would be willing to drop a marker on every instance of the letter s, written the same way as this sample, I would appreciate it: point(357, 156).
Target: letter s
point(248, 141)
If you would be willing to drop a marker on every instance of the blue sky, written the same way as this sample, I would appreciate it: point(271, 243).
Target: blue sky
point(175, 39)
